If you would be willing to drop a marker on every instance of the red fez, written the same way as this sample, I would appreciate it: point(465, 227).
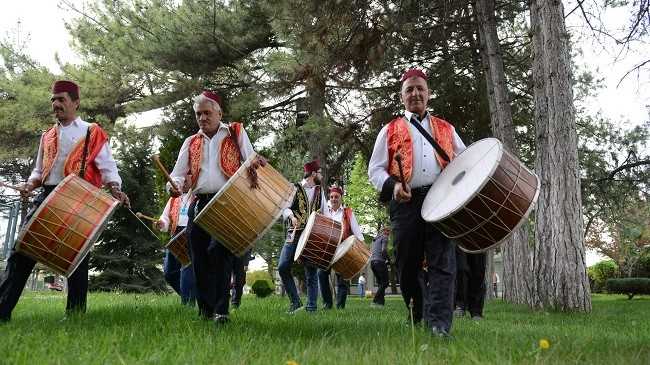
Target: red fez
point(312, 166)
point(414, 72)
point(65, 86)
point(337, 189)
point(212, 96)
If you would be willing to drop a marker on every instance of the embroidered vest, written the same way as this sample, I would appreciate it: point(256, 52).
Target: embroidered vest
point(229, 154)
point(174, 210)
point(72, 164)
point(347, 225)
point(301, 207)
point(400, 140)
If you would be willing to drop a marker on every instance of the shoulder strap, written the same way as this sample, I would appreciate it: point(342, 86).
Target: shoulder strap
point(428, 137)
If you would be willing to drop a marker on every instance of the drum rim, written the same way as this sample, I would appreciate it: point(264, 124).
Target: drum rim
point(89, 242)
point(173, 239)
point(337, 255)
point(302, 241)
point(523, 219)
point(482, 185)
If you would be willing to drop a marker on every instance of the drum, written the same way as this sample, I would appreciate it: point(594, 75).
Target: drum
point(64, 227)
point(238, 216)
point(318, 242)
point(178, 247)
point(351, 257)
point(482, 196)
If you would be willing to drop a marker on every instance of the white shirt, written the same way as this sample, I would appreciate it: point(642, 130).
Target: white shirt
point(186, 199)
point(210, 179)
point(67, 138)
point(425, 164)
point(310, 190)
point(337, 215)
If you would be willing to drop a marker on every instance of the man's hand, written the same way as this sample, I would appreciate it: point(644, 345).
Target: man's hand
point(401, 195)
point(159, 225)
point(294, 221)
point(27, 188)
point(118, 194)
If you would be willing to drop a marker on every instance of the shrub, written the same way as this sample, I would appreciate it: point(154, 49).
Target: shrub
point(261, 288)
point(599, 273)
point(629, 286)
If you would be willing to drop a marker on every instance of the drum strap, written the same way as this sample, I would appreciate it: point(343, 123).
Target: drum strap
point(84, 156)
point(428, 137)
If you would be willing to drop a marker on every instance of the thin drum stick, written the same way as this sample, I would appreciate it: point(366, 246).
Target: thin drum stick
point(145, 226)
point(162, 168)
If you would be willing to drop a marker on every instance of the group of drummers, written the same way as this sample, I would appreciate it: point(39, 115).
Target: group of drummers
point(409, 154)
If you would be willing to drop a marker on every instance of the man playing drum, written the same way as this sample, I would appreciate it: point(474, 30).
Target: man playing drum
point(345, 216)
point(174, 220)
point(423, 144)
point(309, 198)
point(211, 157)
point(62, 149)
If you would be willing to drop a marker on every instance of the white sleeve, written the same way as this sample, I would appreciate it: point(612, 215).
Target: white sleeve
point(378, 165)
point(354, 226)
point(107, 165)
point(164, 217)
point(37, 172)
point(182, 166)
point(245, 144)
point(459, 146)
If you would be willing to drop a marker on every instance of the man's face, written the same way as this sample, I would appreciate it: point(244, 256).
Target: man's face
point(208, 118)
point(414, 95)
point(64, 108)
point(335, 200)
point(318, 176)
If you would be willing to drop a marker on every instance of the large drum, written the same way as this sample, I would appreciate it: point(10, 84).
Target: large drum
point(238, 215)
point(351, 257)
point(178, 247)
point(482, 196)
point(318, 242)
point(65, 226)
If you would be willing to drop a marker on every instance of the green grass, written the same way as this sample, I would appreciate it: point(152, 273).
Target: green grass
point(152, 329)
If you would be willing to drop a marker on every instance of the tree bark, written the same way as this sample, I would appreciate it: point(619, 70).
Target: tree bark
point(517, 269)
point(559, 271)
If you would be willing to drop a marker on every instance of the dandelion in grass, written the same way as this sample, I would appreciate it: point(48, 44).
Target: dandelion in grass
point(544, 344)
point(292, 362)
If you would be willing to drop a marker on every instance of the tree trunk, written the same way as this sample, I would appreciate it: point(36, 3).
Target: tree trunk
point(560, 276)
point(517, 269)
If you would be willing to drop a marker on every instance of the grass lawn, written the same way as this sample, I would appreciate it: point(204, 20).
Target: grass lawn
point(153, 329)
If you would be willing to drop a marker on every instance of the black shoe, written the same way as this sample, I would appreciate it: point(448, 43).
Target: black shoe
point(293, 308)
point(234, 305)
point(459, 312)
point(220, 319)
point(440, 333)
point(477, 317)
point(327, 307)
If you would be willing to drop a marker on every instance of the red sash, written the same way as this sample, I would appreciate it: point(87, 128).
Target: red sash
point(174, 210)
point(72, 163)
point(347, 225)
point(399, 140)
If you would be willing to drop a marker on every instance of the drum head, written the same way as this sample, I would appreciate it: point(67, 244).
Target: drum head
point(305, 235)
point(343, 248)
point(462, 179)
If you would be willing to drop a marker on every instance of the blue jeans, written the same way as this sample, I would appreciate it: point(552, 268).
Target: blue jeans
point(362, 290)
point(180, 279)
point(311, 278)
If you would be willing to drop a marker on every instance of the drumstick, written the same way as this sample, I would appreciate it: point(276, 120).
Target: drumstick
point(145, 226)
point(398, 158)
point(142, 216)
point(162, 168)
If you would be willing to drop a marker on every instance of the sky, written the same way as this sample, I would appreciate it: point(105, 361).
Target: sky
point(40, 25)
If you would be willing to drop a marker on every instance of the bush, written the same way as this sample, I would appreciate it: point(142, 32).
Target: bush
point(253, 276)
point(600, 273)
point(629, 286)
point(261, 288)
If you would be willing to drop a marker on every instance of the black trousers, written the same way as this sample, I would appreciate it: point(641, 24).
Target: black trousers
point(470, 282)
point(19, 267)
point(212, 264)
point(416, 241)
point(239, 277)
point(342, 289)
point(380, 270)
